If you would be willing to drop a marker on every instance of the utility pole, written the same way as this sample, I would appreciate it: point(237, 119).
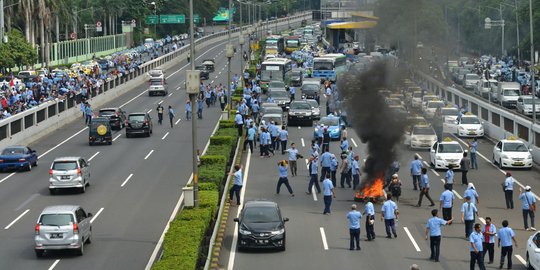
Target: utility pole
point(241, 41)
point(1, 21)
point(533, 86)
point(193, 98)
point(229, 52)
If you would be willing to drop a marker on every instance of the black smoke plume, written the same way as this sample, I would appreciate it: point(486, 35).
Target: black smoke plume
point(377, 125)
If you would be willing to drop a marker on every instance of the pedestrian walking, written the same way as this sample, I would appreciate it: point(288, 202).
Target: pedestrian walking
point(314, 176)
point(170, 111)
point(160, 111)
point(465, 164)
point(446, 202)
point(473, 148)
point(282, 168)
point(489, 231)
point(326, 162)
point(354, 228)
point(328, 193)
point(88, 113)
point(237, 184)
point(416, 169)
point(528, 207)
point(395, 187)
point(505, 238)
point(424, 189)
point(477, 252)
point(250, 137)
point(468, 211)
point(188, 109)
point(326, 140)
point(344, 144)
point(333, 169)
point(471, 192)
point(239, 122)
point(283, 137)
point(293, 157)
point(355, 171)
point(200, 108)
point(389, 213)
point(344, 167)
point(508, 187)
point(449, 177)
point(222, 100)
point(369, 212)
point(433, 231)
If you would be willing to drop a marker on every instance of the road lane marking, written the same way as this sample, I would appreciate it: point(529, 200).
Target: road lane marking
point(220, 44)
point(219, 73)
point(303, 143)
point(6, 178)
point(313, 193)
point(147, 156)
point(17, 219)
point(61, 143)
point(417, 155)
point(425, 163)
point(96, 215)
point(54, 265)
point(27, 201)
point(212, 82)
point(117, 137)
point(170, 94)
point(93, 156)
point(161, 101)
point(177, 121)
point(323, 236)
point(177, 88)
point(435, 172)
point(129, 101)
point(482, 220)
point(354, 142)
point(165, 136)
point(149, 111)
point(520, 259)
point(125, 181)
point(412, 239)
point(307, 164)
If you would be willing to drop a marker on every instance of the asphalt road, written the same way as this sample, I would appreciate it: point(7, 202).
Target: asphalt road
point(316, 241)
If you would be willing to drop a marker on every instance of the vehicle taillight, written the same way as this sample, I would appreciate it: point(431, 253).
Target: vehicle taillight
point(79, 171)
point(1, 160)
point(75, 228)
point(37, 228)
point(50, 172)
point(22, 160)
point(146, 122)
point(127, 122)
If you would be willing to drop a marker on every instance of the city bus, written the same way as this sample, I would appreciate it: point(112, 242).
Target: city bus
point(292, 43)
point(274, 45)
point(275, 69)
point(329, 66)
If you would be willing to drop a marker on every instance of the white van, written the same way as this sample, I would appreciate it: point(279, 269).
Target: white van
point(508, 94)
point(148, 42)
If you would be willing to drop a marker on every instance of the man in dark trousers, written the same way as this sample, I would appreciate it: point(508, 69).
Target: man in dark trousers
point(354, 227)
point(160, 110)
point(465, 166)
point(446, 202)
point(171, 115)
point(508, 187)
point(424, 188)
point(477, 251)
point(433, 230)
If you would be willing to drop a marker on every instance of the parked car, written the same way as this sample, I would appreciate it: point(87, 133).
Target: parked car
point(260, 225)
point(69, 172)
point(139, 123)
point(62, 227)
point(524, 105)
point(512, 153)
point(18, 158)
point(533, 251)
point(116, 116)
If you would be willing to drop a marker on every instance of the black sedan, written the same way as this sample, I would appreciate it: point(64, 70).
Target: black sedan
point(116, 116)
point(260, 225)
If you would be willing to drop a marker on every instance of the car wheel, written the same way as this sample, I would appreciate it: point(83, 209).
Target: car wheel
point(36, 163)
point(83, 189)
point(128, 135)
point(39, 253)
point(90, 143)
point(29, 167)
point(151, 131)
point(52, 191)
point(529, 266)
point(493, 159)
point(310, 123)
point(284, 245)
point(500, 164)
point(80, 251)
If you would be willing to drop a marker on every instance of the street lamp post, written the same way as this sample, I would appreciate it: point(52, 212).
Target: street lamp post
point(193, 100)
point(533, 86)
point(489, 23)
point(241, 41)
point(229, 53)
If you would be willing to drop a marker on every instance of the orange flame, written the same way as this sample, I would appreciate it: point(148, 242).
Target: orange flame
point(375, 190)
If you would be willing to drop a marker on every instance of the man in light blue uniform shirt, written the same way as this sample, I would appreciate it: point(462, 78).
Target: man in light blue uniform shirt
point(282, 168)
point(293, 157)
point(237, 184)
point(314, 171)
point(473, 149)
point(283, 137)
point(449, 177)
point(424, 188)
point(446, 202)
point(344, 144)
point(354, 227)
point(250, 137)
point(468, 211)
point(477, 252)
point(509, 190)
point(528, 205)
point(416, 167)
point(433, 230)
point(328, 193)
point(506, 236)
point(471, 192)
point(355, 171)
point(369, 212)
point(389, 213)
point(239, 121)
point(326, 162)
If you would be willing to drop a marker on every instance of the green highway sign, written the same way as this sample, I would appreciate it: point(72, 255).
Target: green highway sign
point(172, 19)
point(152, 19)
point(196, 18)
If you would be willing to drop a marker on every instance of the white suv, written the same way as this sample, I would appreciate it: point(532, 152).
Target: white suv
point(69, 172)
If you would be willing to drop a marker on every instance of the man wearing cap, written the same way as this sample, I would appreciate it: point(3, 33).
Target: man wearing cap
point(468, 210)
point(528, 206)
point(508, 187)
point(239, 121)
point(433, 230)
point(354, 227)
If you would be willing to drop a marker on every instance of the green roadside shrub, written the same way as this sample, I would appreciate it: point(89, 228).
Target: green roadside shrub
point(220, 140)
point(211, 160)
point(223, 150)
point(225, 124)
point(231, 132)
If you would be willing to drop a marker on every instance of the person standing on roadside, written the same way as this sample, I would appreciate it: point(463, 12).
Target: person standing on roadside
point(283, 137)
point(170, 111)
point(237, 184)
point(160, 111)
point(477, 252)
point(355, 171)
point(250, 137)
point(239, 121)
point(446, 203)
point(345, 171)
point(369, 212)
point(416, 169)
point(333, 169)
point(328, 193)
point(354, 227)
point(389, 213)
point(433, 231)
point(528, 206)
point(473, 148)
point(471, 192)
point(314, 170)
point(293, 157)
point(282, 168)
point(489, 232)
point(505, 237)
point(508, 187)
point(468, 210)
point(424, 189)
point(188, 110)
point(449, 177)
point(465, 164)
point(88, 113)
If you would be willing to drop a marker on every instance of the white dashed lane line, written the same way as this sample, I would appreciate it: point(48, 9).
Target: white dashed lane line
point(148, 155)
point(117, 136)
point(7, 177)
point(303, 143)
point(177, 121)
point(354, 142)
point(17, 219)
point(93, 156)
point(149, 111)
point(323, 237)
point(125, 181)
point(412, 239)
point(165, 136)
point(96, 215)
point(54, 265)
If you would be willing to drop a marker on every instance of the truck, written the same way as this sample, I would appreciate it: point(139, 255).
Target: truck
point(508, 94)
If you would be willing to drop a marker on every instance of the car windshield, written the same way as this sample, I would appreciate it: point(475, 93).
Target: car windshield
point(515, 147)
point(293, 43)
point(138, 118)
point(417, 94)
point(426, 98)
point(267, 75)
point(393, 101)
point(449, 111)
point(261, 215)
point(268, 119)
point(156, 82)
point(155, 73)
point(64, 165)
point(12, 151)
point(513, 93)
point(450, 148)
point(530, 101)
point(278, 94)
point(329, 121)
point(423, 131)
point(276, 85)
point(300, 106)
point(56, 219)
point(322, 66)
point(273, 110)
point(297, 73)
point(473, 77)
point(106, 112)
point(435, 105)
point(310, 87)
point(470, 120)
point(313, 103)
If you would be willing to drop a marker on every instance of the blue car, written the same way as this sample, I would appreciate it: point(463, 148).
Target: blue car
point(331, 122)
point(18, 157)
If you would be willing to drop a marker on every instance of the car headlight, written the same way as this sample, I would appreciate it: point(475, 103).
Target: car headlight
point(244, 232)
point(529, 156)
point(504, 156)
point(481, 128)
point(461, 128)
point(438, 158)
point(278, 232)
point(414, 139)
